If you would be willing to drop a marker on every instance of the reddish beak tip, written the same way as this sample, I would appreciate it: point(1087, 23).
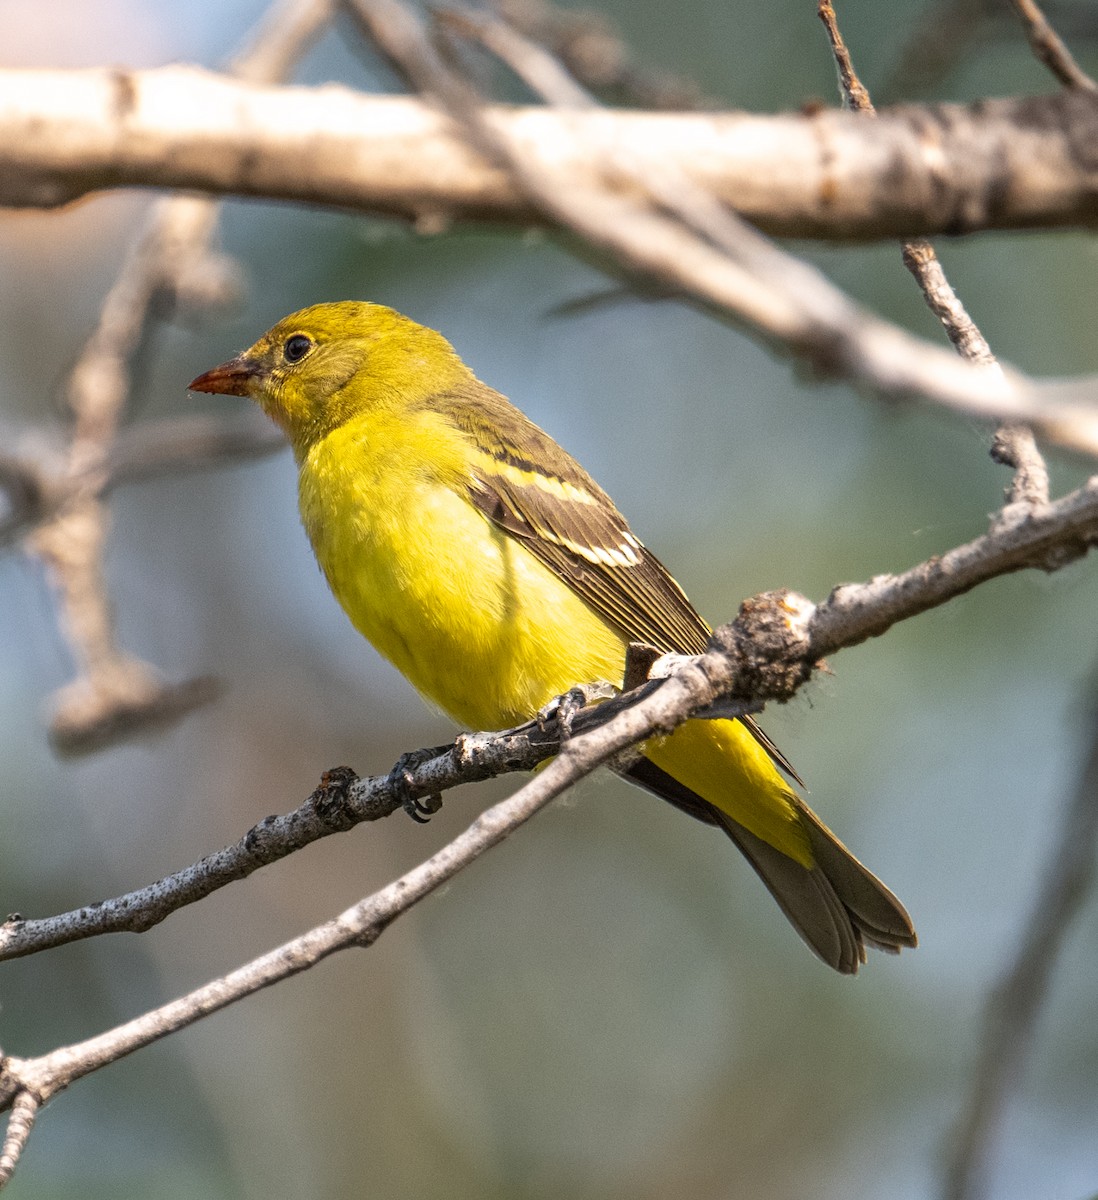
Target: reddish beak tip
point(232, 378)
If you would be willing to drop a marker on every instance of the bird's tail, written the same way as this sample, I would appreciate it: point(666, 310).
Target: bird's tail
point(836, 905)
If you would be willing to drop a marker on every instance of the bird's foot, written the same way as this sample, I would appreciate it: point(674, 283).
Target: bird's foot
point(403, 783)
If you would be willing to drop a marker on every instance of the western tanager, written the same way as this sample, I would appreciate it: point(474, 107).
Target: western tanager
point(491, 569)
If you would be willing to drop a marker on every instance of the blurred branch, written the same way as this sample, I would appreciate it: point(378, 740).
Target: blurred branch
point(170, 266)
point(1018, 997)
point(657, 222)
point(153, 449)
point(947, 31)
point(24, 1113)
point(284, 34)
point(594, 54)
point(537, 67)
point(37, 483)
point(584, 170)
point(1018, 163)
point(114, 694)
point(58, 508)
point(21, 486)
point(1050, 49)
point(1014, 444)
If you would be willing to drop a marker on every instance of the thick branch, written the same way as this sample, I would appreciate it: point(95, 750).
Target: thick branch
point(1002, 164)
point(658, 222)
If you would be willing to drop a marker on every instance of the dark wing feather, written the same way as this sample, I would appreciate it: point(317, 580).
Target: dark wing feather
point(528, 485)
point(536, 491)
point(837, 906)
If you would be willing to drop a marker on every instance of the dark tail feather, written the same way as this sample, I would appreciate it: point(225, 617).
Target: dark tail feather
point(837, 906)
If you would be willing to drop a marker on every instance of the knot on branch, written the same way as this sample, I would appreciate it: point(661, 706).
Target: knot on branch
point(332, 801)
point(768, 646)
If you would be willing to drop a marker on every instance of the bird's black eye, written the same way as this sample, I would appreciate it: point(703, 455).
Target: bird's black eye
point(296, 348)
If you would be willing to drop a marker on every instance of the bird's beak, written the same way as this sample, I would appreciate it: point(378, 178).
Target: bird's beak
point(232, 378)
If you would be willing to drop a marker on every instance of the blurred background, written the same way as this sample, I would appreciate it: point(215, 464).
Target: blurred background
point(609, 1005)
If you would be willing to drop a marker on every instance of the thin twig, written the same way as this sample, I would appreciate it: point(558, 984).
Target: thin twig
point(24, 1112)
point(854, 93)
point(1014, 444)
point(1049, 47)
point(596, 56)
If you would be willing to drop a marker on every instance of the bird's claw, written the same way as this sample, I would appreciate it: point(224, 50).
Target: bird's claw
point(419, 812)
point(402, 781)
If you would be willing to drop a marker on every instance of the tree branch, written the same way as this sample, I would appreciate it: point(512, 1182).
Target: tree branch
point(24, 1113)
point(399, 155)
point(1050, 49)
point(1014, 444)
point(998, 164)
point(661, 224)
point(33, 1082)
point(1019, 996)
point(771, 650)
point(171, 265)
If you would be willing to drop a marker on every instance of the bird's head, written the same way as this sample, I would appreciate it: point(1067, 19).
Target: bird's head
point(321, 367)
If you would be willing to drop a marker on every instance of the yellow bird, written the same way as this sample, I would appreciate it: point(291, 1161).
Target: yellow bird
point(490, 568)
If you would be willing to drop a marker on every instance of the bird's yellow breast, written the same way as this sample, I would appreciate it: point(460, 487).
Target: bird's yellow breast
point(462, 609)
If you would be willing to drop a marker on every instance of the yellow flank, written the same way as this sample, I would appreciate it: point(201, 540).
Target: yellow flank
point(490, 569)
point(456, 605)
point(721, 761)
